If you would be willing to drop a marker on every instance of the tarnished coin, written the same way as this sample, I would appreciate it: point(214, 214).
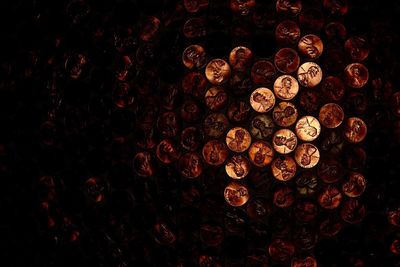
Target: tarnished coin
point(258, 208)
point(143, 164)
point(190, 165)
point(306, 183)
point(287, 60)
point(306, 210)
point(215, 152)
point(355, 130)
point(353, 211)
point(307, 155)
point(215, 125)
point(356, 75)
point(167, 151)
point(311, 20)
point(238, 139)
point(287, 33)
point(194, 56)
point(236, 194)
point(216, 98)
point(195, 28)
point(289, 8)
point(281, 250)
point(191, 138)
point(151, 29)
point(308, 261)
point(240, 84)
point(330, 227)
point(218, 71)
point(284, 114)
point(284, 141)
point(191, 111)
point(355, 185)
point(168, 124)
point(211, 234)
point(123, 95)
point(237, 167)
point(240, 58)
point(330, 170)
point(261, 153)
point(262, 100)
point(286, 87)
point(262, 127)
point(310, 100)
point(331, 115)
point(241, 7)
point(336, 8)
point(263, 72)
point(238, 111)
point(333, 88)
point(309, 74)
point(356, 48)
point(308, 128)
point(284, 168)
point(310, 46)
point(284, 197)
point(330, 197)
point(193, 6)
point(335, 31)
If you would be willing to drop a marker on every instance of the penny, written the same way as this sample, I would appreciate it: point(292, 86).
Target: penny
point(286, 60)
point(211, 234)
point(216, 98)
point(330, 170)
point(190, 165)
point(235, 220)
point(332, 142)
point(353, 211)
point(262, 127)
point(194, 6)
point(240, 58)
point(356, 157)
point(311, 20)
point(307, 155)
point(309, 74)
point(287, 33)
point(308, 128)
point(357, 102)
point(242, 7)
point(330, 197)
point(355, 130)
point(306, 211)
point(281, 250)
point(284, 197)
point(258, 208)
point(168, 124)
point(215, 152)
point(190, 111)
point(356, 75)
point(194, 56)
point(238, 111)
point(308, 261)
point(286, 87)
point(284, 114)
point(310, 100)
point(261, 153)
point(215, 125)
point(195, 28)
point(335, 31)
point(170, 96)
point(356, 48)
point(151, 29)
point(304, 237)
point(355, 185)
point(331, 115)
point(330, 227)
point(167, 151)
point(284, 168)
point(263, 72)
point(238, 139)
point(236, 194)
point(240, 84)
point(218, 71)
point(289, 8)
point(262, 100)
point(143, 164)
point(310, 46)
point(123, 95)
point(191, 138)
point(237, 167)
point(306, 183)
point(284, 141)
point(333, 88)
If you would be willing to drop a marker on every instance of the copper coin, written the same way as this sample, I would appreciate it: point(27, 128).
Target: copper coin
point(308, 261)
point(190, 165)
point(238, 139)
point(237, 167)
point(335, 7)
point(151, 29)
point(356, 75)
point(168, 124)
point(191, 192)
point(311, 46)
point(284, 168)
point(330, 227)
point(311, 20)
point(287, 33)
point(281, 250)
point(215, 125)
point(262, 100)
point(284, 114)
point(308, 128)
point(355, 185)
point(242, 7)
point(356, 48)
point(143, 164)
point(218, 71)
point(263, 72)
point(216, 98)
point(170, 96)
point(304, 237)
point(258, 208)
point(333, 88)
point(215, 152)
point(262, 127)
point(194, 6)
point(307, 155)
point(335, 31)
point(330, 197)
point(309, 74)
point(191, 138)
point(195, 28)
point(240, 84)
point(355, 130)
point(236, 194)
point(261, 153)
point(240, 58)
point(331, 115)
point(235, 220)
point(238, 111)
point(310, 100)
point(167, 151)
point(306, 211)
point(286, 60)
point(194, 56)
point(284, 197)
point(356, 157)
point(284, 141)
point(306, 183)
point(286, 87)
point(123, 95)
point(332, 142)
point(330, 170)
point(289, 8)
point(353, 211)
point(194, 83)
point(357, 102)
point(190, 111)
point(211, 234)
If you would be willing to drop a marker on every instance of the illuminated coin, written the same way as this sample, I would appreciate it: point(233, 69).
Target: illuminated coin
point(262, 127)
point(287, 33)
point(238, 139)
point(263, 72)
point(330, 197)
point(284, 197)
point(262, 100)
point(215, 125)
point(236, 194)
point(356, 75)
point(356, 48)
point(309, 74)
point(215, 152)
point(286, 87)
point(331, 115)
point(286, 60)
point(240, 58)
point(355, 130)
point(167, 152)
point(308, 128)
point(284, 168)
point(190, 165)
point(216, 98)
point(310, 46)
point(307, 155)
point(261, 153)
point(237, 167)
point(194, 56)
point(218, 71)
point(355, 185)
point(284, 141)
point(284, 114)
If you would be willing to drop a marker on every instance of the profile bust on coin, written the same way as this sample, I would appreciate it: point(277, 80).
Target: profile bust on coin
point(308, 128)
point(307, 155)
point(286, 87)
point(261, 153)
point(309, 74)
point(218, 71)
point(284, 141)
point(237, 167)
point(236, 194)
point(238, 139)
point(262, 100)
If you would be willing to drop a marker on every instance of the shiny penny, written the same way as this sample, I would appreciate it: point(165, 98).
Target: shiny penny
point(167, 152)
point(237, 167)
point(215, 125)
point(262, 127)
point(284, 197)
point(216, 98)
point(190, 165)
point(356, 48)
point(218, 71)
point(310, 46)
point(238, 139)
point(307, 155)
point(356, 75)
point(240, 58)
point(284, 168)
point(262, 100)
point(263, 72)
point(355, 185)
point(284, 114)
point(309, 74)
point(331, 115)
point(287, 33)
point(286, 87)
point(355, 130)
point(330, 197)
point(284, 141)
point(194, 56)
point(261, 153)
point(215, 152)
point(236, 194)
point(290, 8)
point(308, 128)
point(287, 60)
